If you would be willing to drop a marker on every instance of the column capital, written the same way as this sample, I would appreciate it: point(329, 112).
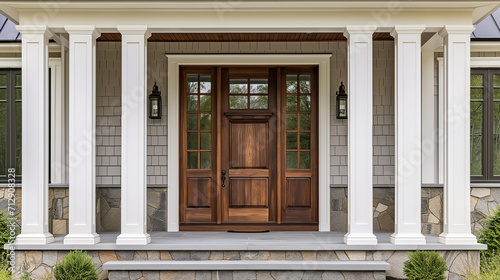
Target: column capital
point(134, 30)
point(456, 29)
point(35, 30)
point(83, 30)
point(359, 29)
point(407, 29)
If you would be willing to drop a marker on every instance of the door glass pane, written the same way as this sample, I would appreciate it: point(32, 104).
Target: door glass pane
point(476, 80)
point(192, 140)
point(3, 94)
point(3, 80)
point(291, 121)
point(192, 160)
point(305, 83)
point(3, 138)
point(192, 121)
point(496, 138)
point(206, 103)
point(291, 103)
point(18, 138)
point(19, 94)
point(496, 80)
point(291, 83)
point(192, 103)
point(205, 121)
point(496, 94)
point(305, 103)
point(305, 160)
point(19, 80)
point(205, 84)
point(205, 160)
point(476, 93)
point(305, 141)
point(291, 140)
point(259, 86)
point(192, 83)
point(305, 121)
point(476, 138)
point(205, 140)
point(238, 86)
point(238, 102)
point(258, 102)
point(291, 160)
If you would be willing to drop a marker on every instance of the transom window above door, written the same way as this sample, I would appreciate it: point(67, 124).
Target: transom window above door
point(249, 93)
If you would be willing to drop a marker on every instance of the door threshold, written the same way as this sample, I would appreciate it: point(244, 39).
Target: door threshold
point(248, 228)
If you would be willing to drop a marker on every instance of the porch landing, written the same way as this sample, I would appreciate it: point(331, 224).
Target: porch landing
point(269, 241)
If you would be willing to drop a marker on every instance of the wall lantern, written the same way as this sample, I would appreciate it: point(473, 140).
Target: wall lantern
point(155, 103)
point(341, 102)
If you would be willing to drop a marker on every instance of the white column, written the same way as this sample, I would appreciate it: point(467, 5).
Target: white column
point(408, 172)
point(35, 135)
point(82, 103)
point(360, 155)
point(134, 125)
point(457, 228)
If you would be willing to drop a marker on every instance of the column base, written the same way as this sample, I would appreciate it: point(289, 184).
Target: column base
point(408, 239)
point(34, 238)
point(457, 238)
point(360, 239)
point(82, 239)
point(133, 239)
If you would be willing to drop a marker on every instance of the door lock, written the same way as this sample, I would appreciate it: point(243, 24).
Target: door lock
point(223, 177)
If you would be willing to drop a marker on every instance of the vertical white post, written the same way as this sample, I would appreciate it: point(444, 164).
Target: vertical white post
point(82, 103)
point(134, 125)
point(35, 135)
point(408, 133)
point(360, 154)
point(457, 228)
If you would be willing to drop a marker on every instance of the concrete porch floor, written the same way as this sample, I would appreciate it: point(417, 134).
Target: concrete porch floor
point(268, 241)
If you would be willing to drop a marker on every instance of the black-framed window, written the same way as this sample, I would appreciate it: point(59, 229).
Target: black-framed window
point(10, 122)
point(485, 125)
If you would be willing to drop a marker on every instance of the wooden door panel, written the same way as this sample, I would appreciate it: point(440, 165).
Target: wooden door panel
point(249, 145)
point(248, 215)
point(251, 193)
point(199, 192)
point(298, 192)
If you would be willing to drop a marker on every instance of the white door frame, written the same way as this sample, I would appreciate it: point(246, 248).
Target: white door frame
point(322, 60)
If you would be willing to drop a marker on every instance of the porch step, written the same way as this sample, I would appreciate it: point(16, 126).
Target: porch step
point(247, 266)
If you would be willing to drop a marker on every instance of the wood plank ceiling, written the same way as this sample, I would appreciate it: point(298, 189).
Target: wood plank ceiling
point(244, 37)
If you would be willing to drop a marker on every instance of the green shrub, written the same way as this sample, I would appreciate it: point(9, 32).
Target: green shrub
point(429, 265)
point(490, 269)
point(490, 234)
point(5, 236)
point(76, 265)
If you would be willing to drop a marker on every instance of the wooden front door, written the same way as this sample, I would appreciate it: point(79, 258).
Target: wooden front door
point(249, 148)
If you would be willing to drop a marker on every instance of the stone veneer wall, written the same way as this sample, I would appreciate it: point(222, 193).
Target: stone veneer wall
point(40, 263)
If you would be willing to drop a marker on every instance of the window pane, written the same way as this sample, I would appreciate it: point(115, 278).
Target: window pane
point(305, 83)
point(18, 138)
point(305, 121)
point(192, 103)
point(192, 83)
point(238, 102)
point(3, 138)
point(305, 103)
point(205, 121)
point(476, 80)
point(291, 140)
point(238, 86)
point(476, 140)
point(291, 121)
point(192, 121)
point(496, 80)
point(291, 160)
point(205, 140)
point(496, 93)
point(205, 84)
point(19, 94)
point(3, 80)
point(496, 138)
point(205, 160)
point(291, 103)
point(192, 140)
point(19, 80)
point(206, 103)
point(476, 93)
point(305, 141)
point(3, 94)
point(291, 83)
point(258, 102)
point(192, 160)
point(305, 160)
point(258, 86)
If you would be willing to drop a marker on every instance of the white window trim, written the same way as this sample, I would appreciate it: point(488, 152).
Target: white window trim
point(322, 60)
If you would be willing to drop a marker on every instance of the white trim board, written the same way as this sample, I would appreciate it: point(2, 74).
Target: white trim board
point(322, 60)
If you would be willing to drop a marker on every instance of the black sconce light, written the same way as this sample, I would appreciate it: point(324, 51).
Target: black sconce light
point(341, 102)
point(155, 103)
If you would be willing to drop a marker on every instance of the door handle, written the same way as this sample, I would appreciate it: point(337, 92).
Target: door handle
point(223, 177)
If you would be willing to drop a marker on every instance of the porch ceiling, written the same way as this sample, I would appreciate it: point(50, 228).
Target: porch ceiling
point(245, 37)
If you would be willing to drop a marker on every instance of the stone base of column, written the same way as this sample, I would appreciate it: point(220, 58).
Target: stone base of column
point(34, 238)
point(82, 239)
point(407, 239)
point(133, 239)
point(360, 239)
point(457, 238)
